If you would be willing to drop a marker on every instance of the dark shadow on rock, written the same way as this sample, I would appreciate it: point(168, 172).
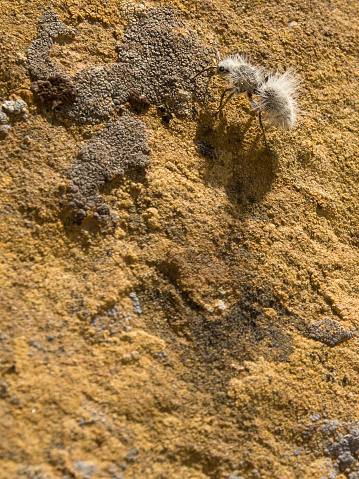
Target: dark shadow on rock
point(254, 326)
point(247, 175)
point(246, 332)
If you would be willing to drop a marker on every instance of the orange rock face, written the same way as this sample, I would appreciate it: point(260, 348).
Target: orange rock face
point(193, 312)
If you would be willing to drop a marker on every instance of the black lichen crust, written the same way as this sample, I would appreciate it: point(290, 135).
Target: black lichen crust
point(120, 146)
point(58, 89)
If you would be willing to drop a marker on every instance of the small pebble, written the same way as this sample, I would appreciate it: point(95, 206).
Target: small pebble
point(220, 305)
point(131, 455)
point(14, 107)
point(3, 118)
point(5, 129)
point(314, 417)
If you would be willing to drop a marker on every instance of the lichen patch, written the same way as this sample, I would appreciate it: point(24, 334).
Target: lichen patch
point(120, 146)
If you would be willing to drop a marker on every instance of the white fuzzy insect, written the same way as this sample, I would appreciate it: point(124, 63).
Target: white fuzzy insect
point(277, 92)
point(278, 98)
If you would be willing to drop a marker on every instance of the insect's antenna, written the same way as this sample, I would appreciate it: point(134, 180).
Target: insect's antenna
point(258, 108)
point(202, 71)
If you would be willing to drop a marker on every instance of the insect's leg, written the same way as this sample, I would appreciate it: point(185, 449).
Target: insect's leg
point(229, 97)
point(262, 128)
point(258, 108)
point(231, 92)
point(211, 67)
point(253, 102)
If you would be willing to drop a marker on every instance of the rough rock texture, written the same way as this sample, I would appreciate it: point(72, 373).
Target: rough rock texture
point(175, 343)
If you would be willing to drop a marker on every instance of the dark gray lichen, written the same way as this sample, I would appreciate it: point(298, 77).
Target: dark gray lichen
point(100, 91)
point(329, 332)
point(158, 57)
point(338, 440)
point(38, 53)
point(51, 24)
point(38, 57)
point(342, 445)
point(120, 146)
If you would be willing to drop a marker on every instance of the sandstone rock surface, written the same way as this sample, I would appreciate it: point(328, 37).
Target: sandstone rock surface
point(192, 311)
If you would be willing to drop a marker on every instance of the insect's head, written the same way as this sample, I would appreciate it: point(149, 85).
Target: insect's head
point(222, 70)
point(226, 66)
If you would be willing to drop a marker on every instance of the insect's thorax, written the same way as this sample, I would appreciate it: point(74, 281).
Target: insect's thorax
point(245, 78)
